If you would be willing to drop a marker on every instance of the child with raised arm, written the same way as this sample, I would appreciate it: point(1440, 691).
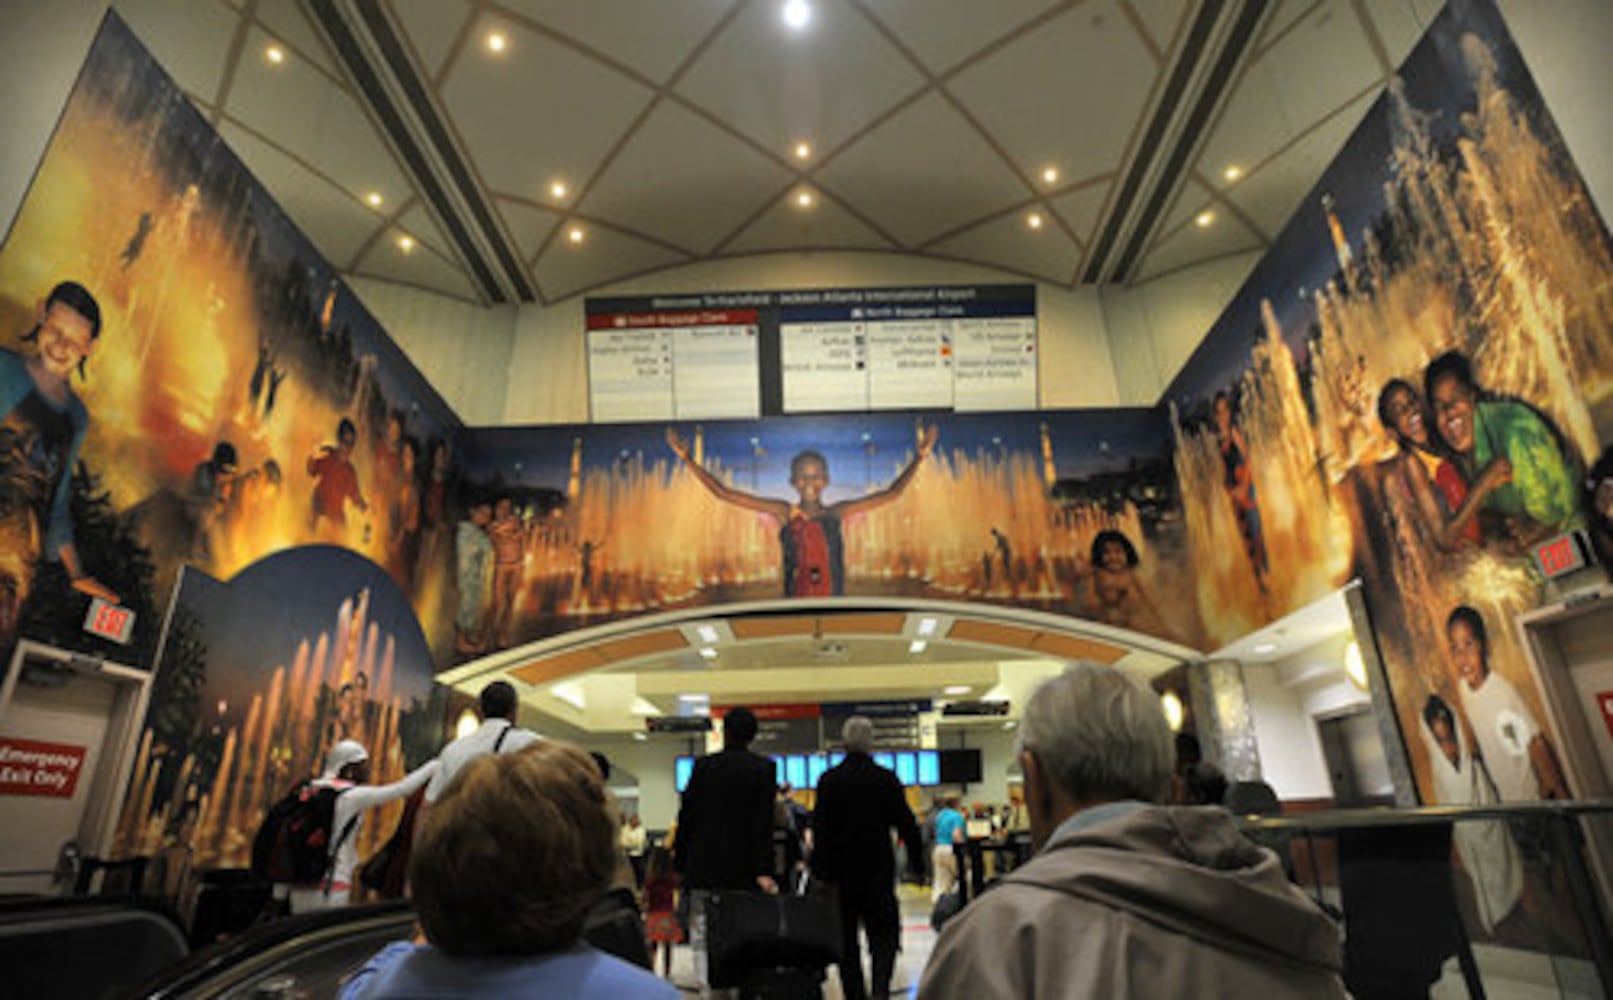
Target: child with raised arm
point(809, 530)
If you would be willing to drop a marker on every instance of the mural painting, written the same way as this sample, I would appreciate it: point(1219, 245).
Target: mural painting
point(1409, 389)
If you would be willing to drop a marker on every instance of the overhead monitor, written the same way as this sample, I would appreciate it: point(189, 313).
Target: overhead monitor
point(682, 768)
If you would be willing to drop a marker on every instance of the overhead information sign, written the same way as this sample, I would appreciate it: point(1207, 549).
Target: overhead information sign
point(681, 365)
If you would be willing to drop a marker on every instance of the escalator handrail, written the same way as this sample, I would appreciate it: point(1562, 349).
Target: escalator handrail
point(227, 963)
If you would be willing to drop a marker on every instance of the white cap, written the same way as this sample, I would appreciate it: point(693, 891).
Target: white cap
point(345, 752)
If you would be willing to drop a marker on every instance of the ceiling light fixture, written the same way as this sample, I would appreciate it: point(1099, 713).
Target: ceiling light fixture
point(576, 235)
point(1034, 220)
point(406, 244)
point(955, 689)
point(1262, 648)
point(275, 54)
point(1174, 712)
point(1204, 219)
point(708, 634)
point(374, 198)
point(558, 189)
point(640, 737)
point(797, 14)
point(708, 652)
point(1232, 172)
point(468, 723)
point(803, 151)
point(804, 199)
point(1050, 175)
point(694, 697)
point(917, 646)
point(927, 626)
point(496, 41)
point(569, 692)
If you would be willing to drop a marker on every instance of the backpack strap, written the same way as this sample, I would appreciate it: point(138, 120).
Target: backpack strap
point(330, 864)
point(500, 741)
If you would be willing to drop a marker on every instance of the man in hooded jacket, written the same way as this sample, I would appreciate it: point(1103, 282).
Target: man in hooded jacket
point(1126, 898)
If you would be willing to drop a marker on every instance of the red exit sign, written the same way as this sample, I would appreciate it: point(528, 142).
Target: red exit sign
point(1561, 555)
point(109, 621)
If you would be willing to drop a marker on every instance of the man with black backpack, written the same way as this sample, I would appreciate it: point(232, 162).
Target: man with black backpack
point(343, 786)
point(498, 733)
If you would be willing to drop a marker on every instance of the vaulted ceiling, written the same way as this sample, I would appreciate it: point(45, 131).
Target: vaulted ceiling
point(1176, 131)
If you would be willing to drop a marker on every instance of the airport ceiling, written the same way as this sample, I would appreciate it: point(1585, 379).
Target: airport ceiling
point(1070, 143)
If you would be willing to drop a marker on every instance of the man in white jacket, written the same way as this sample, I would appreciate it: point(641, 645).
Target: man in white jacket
point(498, 733)
point(1126, 898)
point(347, 769)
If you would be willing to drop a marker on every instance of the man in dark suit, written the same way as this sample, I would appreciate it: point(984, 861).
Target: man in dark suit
point(859, 804)
point(724, 838)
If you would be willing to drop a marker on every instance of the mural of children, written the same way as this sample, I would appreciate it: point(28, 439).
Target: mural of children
point(809, 530)
point(387, 463)
point(1511, 744)
point(1488, 852)
point(213, 486)
point(336, 482)
point(403, 544)
point(508, 535)
point(434, 525)
point(1446, 506)
point(41, 431)
point(585, 565)
point(474, 550)
point(1540, 497)
point(1240, 485)
point(1118, 596)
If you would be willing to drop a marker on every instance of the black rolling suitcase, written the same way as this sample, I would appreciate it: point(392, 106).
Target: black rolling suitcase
point(772, 947)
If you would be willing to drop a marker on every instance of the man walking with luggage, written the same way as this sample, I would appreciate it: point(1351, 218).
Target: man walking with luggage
point(725, 827)
point(859, 804)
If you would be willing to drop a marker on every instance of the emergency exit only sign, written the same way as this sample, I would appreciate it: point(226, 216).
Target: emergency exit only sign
point(30, 767)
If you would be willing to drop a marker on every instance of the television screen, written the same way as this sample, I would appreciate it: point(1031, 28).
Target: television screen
point(929, 768)
point(681, 769)
point(816, 765)
point(778, 771)
point(960, 767)
point(885, 759)
point(795, 770)
point(907, 767)
point(836, 758)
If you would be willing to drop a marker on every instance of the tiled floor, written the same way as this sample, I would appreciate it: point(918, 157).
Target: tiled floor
point(917, 941)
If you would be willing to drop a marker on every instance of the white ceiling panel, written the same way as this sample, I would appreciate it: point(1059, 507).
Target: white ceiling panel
point(538, 111)
point(420, 269)
point(1190, 199)
point(191, 40)
point(1271, 193)
point(1162, 19)
point(421, 224)
point(1081, 209)
point(683, 180)
point(652, 38)
point(1399, 25)
point(941, 42)
point(786, 226)
point(430, 27)
point(821, 85)
point(606, 255)
point(1321, 64)
point(1092, 75)
point(1189, 244)
point(924, 172)
point(288, 24)
point(1045, 253)
point(335, 223)
point(528, 224)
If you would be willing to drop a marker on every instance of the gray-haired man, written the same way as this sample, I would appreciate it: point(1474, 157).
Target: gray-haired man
point(1125, 897)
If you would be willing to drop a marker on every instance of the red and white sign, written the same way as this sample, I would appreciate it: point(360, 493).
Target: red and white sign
point(1605, 699)
point(29, 767)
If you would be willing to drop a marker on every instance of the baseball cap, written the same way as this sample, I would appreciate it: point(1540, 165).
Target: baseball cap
point(345, 752)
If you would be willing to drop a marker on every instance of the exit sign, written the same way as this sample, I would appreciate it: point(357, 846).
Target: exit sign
point(1562, 555)
point(109, 621)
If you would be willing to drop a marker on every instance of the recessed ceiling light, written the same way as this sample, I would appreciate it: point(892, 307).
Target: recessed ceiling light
point(1050, 175)
point(708, 652)
point(1204, 219)
point(1034, 220)
point(797, 14)
point(803, 151)
point(1175, 712)
point(708, 634)
point(1232, 172)
point(496, 41)
point(406, 243)
point(558, 189)
point(694, 697)
point(927, 626)
point(640, 737)
point(917, 646)
point(576, 235)
point(374, 199)
point(956, 689)
point(275, 54)
point(805, 199)
point(1265, 647)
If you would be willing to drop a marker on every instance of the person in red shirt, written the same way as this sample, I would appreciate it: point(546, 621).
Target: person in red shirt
point(335, 483)
point(809, 529)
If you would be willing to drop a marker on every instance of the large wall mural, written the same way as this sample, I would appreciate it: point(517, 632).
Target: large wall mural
point(1074, 513)
point(1409, 389)
point(185, 381)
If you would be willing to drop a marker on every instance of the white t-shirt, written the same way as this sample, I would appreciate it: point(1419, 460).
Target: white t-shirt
point(353, 802)
point(1503, 726)
point(1489, 854)
point(467, 748)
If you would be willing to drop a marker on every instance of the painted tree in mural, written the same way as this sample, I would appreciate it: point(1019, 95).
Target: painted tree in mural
point(175, 715)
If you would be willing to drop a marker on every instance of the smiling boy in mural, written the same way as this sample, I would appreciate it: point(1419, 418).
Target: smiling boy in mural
point(41, 430)
point(1118, 595)
point(1539, 497)
point(1240, 485)
point(1514, 749)
point(1446, 504)
point(809, 529)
